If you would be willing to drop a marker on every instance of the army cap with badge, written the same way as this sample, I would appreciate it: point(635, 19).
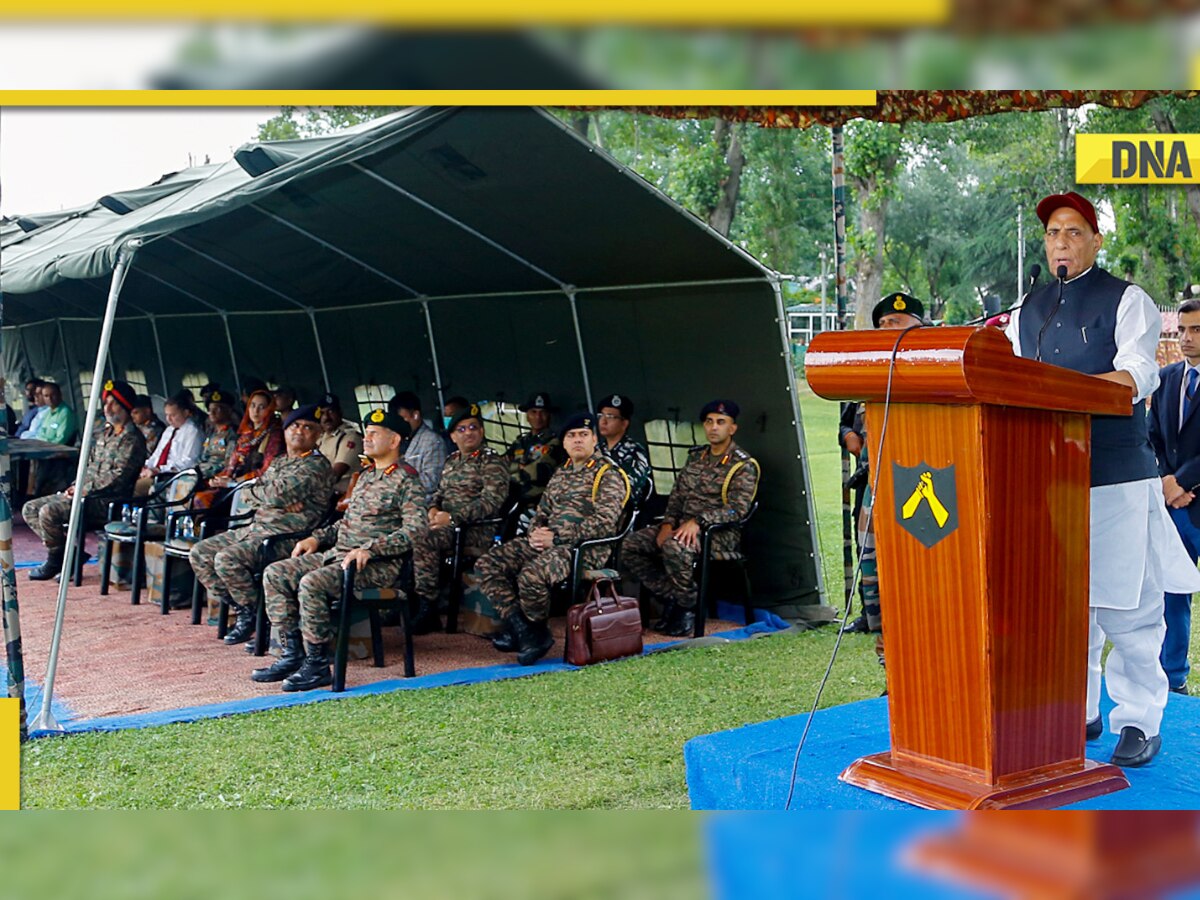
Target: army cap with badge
point(383, 418)
point(898, 304)
point(469, 412)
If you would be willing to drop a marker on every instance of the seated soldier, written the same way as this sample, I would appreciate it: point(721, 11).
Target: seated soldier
point(450, 409)
point(474, 485)
point(386, 513)
point(292, 495)
point(148, 423)
point(341, 442)
point(533, 457)
point(116, 457)
point(179, 447)
point(426, 451)
point(582, 501)
point(616, 412)
point(285, 399)
point(220, 436)
point(717, 484)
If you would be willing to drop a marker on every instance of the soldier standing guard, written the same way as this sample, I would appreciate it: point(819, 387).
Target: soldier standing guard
point(473, 486)
point(582, 501)
point(291, 495)
point(385, 515)
point(717, 484)
point(117, 457)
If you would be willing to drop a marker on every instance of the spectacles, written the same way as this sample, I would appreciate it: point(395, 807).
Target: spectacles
point(1071, 234)
point(467, 429)
point(608, 416)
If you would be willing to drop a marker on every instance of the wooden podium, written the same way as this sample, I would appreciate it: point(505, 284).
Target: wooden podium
point(981, 524)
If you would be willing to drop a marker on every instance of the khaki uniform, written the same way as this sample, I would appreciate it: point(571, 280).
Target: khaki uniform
point(710, 489)
point(342, 445)
point(386, 514)
point(580, 502)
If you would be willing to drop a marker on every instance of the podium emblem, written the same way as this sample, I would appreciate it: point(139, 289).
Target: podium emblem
point(926, 501)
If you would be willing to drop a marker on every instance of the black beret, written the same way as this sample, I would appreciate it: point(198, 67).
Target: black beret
point(142, 401)
point(722, 407)
point(385, 419)
point(623, 405)
point(579, 420)
point(216, 396)
point(309, 413)
point(540, 400)
point(470, 412)
point(898, 302)
point(121, 390)
point(331, 401)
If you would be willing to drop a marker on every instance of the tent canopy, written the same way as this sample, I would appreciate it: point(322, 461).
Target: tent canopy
point(482, 252)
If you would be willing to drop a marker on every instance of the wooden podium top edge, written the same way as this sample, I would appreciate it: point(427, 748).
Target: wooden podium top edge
point(954, 365)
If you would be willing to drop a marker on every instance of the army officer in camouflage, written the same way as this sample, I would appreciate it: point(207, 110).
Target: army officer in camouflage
point(473, 486)
point(616, 413)
point(386, 514)
point(533, 457)
point(582, 501)
point(291, 495)
point(117, 456)
point(717, 484)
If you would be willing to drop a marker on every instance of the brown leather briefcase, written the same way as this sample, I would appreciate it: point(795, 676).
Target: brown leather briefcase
point(606, 626)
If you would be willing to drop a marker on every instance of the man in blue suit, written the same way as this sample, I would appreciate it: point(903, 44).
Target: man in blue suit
point(1174, 430)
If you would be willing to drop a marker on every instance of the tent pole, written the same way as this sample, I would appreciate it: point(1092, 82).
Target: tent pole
point(587, 382)
point(45, 720)
point(62, 339)
point(162, 370)
point(437, 371)
point(312, 318)
point(237, 379)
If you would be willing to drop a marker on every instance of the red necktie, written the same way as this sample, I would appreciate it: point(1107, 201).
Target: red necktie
point(162, 457)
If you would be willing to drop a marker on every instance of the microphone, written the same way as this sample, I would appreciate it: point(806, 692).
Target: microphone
point(1001, 318)
point(1061, 274)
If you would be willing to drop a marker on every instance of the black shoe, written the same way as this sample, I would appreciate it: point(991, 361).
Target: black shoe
point(856, 626)
point(289, 661)
point(428, 619)
point(505, 641)
point(314, 672)
point(51, 567)
point(533, 638)
point(1134, 748)
point(681, 624)
point(668, 607)
point(243, 628)
point(1182, 689)
point(1094, 728)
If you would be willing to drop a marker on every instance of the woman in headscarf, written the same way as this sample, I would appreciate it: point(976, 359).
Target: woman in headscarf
point(259, 440)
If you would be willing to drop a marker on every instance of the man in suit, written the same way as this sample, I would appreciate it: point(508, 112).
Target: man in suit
point(1174, 430)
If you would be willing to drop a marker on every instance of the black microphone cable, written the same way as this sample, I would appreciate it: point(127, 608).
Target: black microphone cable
point(1061, 274)
point(878, 466)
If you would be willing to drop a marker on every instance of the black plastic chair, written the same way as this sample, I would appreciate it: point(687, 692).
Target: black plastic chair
point(158, 500)
point(376, 601)
point(502, 524)
point(703, 567)
point(176, 546)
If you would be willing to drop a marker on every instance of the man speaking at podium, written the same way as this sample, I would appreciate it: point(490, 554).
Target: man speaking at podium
point(1095, 323)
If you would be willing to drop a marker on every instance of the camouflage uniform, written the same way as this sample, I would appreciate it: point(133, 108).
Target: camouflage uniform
point(532, 459)
point(580, 502)
point(668, 570)
point(117, 458)
point(225, 563)
point(472, 488)
point(217, 449)
point(386, 513)
point(152, 431)
point(633, 458)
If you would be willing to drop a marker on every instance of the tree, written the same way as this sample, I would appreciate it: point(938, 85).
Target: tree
point(294, 122)
point(873, 152)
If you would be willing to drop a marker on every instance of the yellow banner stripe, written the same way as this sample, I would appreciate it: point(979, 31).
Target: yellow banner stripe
point(1137, 158)
point(10, 753)
point(616, 98)
point(476, 13)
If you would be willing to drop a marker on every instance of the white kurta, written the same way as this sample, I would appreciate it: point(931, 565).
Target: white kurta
point(1135, 551)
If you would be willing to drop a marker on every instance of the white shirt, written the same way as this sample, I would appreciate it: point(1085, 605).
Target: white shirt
point(1139, 324)
point(185, 448)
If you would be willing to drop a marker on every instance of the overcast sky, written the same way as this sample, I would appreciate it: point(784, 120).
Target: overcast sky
point(54, 159)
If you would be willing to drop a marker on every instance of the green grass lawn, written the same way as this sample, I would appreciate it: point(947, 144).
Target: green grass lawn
point(606, 737)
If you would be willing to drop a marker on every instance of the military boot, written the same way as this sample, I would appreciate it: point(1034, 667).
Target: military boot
point(681, 622)
point(668, 608)
point(289, 661)
point(504, 640)
point(428, 619)
point(314, 672)
point(51, 567)
point(533, 638)
point(243, 626)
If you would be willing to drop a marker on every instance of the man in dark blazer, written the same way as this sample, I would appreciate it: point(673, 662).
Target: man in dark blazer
point(1174, 430)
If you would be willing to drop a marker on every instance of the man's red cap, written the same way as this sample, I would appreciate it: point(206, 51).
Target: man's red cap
point(1046, 208)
